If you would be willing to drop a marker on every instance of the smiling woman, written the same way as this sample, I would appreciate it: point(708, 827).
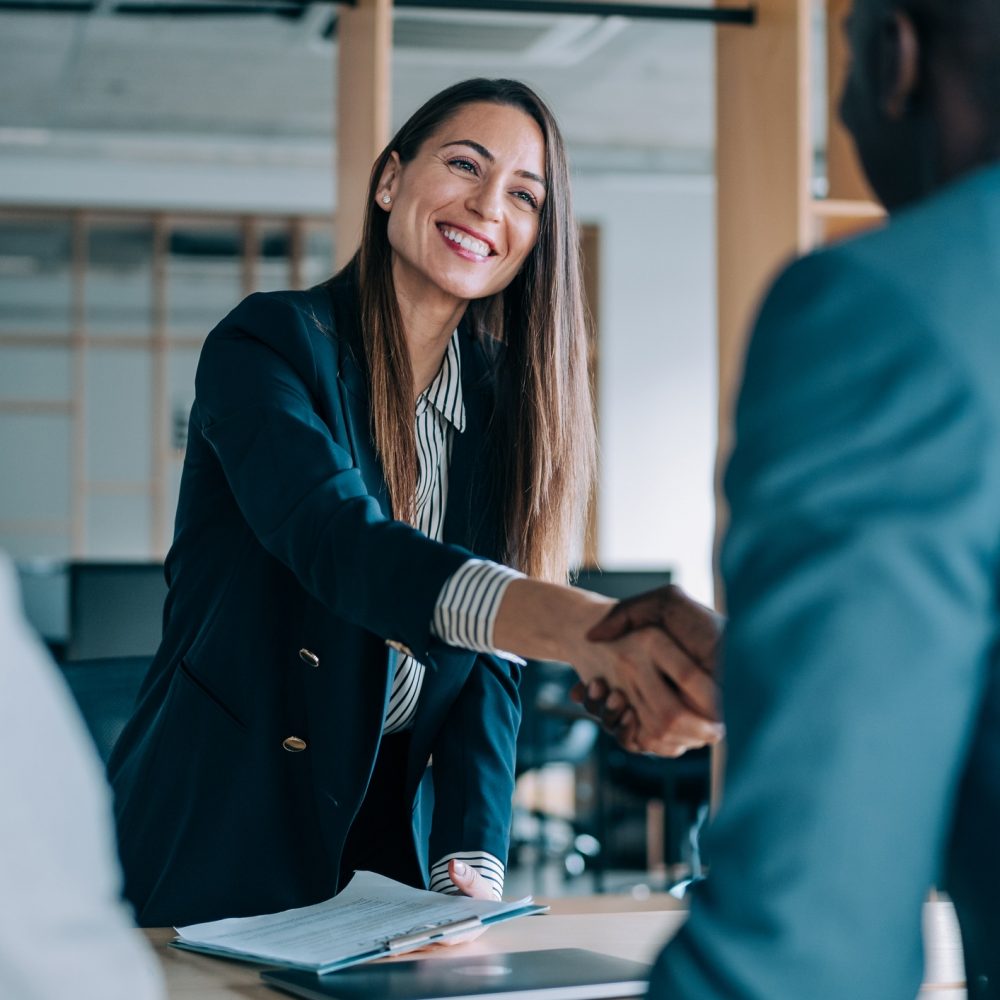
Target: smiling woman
point(470, 213)
point(371, 466)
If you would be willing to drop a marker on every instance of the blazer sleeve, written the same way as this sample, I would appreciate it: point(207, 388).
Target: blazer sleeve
point(297, 485)
point(857, 647)
point(473, 766)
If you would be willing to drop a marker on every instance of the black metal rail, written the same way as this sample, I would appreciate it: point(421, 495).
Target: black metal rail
point(606, 8)
point(293, 8)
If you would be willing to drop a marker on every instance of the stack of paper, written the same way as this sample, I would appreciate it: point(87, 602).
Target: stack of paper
point(373, 917)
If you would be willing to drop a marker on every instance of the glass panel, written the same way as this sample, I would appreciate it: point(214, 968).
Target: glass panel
point(118, 289)
point(204, 276)
point(36, 373)
point(273, 265)
point(118, 415)
point(317, 264)
point(36, 288)
point(118, 527)
point(35, 459)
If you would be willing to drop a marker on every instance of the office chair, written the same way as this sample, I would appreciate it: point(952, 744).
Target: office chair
point(105, 691)
point(553, 731)
point(682, 785)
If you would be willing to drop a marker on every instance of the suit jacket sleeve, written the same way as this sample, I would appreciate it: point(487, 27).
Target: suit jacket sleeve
point(474, 763)
point(856, 650)
point(296, 483)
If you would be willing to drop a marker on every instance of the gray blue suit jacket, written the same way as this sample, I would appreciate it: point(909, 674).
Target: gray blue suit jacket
point(860, 668)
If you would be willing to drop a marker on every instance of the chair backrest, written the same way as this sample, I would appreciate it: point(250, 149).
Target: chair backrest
point(553, 729)
point(105, 691)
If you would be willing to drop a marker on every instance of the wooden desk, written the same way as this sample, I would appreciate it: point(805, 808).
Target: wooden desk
point(615, 925)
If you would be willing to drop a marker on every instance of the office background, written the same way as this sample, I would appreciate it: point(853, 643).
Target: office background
point(212, 134)
point(161, 158)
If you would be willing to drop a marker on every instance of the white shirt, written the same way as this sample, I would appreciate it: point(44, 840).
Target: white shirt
point(64, 931)
point(466, 608)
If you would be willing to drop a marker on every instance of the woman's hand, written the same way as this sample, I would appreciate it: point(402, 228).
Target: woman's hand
point(470, 883)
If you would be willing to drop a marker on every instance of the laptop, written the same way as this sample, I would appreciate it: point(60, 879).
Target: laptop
point(558, 974)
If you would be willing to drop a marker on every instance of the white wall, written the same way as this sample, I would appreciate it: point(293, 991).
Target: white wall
point(657, 369)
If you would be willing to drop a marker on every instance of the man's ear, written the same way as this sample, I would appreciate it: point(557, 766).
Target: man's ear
point(899, 59)
point(385, 193)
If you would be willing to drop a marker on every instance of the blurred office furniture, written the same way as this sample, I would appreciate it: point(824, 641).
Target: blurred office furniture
point(674, 792)
point(675, 795)
point(115, 609)
point(44, 587)
point(553, 731)
point(105, 691)
point(84, 609)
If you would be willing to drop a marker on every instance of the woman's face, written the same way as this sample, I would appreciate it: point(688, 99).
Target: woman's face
point(464, 212)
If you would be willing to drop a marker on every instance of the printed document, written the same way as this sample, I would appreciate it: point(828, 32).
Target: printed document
point(373, 917)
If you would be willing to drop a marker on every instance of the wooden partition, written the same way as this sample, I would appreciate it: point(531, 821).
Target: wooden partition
point(364, 62)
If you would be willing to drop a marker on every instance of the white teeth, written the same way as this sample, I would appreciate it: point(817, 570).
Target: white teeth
point(467, 242)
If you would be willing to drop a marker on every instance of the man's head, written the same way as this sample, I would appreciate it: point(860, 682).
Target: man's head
point(922, 98)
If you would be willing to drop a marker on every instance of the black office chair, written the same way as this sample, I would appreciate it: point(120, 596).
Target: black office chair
point(105, 691)
point(683, 787)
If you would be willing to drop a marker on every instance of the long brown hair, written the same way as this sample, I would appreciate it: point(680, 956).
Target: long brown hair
point(543, 441)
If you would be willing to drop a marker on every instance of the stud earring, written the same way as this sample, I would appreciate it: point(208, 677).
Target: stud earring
point(386, 198)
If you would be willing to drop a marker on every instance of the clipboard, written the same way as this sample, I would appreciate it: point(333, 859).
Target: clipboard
point(374, 917)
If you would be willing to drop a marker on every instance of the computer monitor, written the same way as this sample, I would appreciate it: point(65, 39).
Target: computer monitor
point(115, 609)
point(621, 583)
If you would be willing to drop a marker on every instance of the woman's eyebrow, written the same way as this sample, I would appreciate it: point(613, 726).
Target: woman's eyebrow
point(488, 156)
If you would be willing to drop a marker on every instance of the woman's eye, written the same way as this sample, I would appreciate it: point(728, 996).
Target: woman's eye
point(527, 197)
point(468, 166)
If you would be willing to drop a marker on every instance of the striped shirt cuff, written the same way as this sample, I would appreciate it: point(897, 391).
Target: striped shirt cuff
point(467, 606)
point(489, 867)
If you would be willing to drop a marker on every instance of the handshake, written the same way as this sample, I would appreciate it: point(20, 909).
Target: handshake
point(647, 665)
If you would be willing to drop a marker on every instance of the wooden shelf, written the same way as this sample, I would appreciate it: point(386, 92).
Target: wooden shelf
point(837, 218)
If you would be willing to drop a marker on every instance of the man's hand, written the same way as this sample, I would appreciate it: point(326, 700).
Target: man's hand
point(695, 628)
point(611, 709)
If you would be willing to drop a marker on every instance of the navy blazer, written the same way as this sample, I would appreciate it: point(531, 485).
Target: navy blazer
point(283, 543)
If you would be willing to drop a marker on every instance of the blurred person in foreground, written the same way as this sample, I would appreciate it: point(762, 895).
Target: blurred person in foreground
point(862, 564)
point(64, 931)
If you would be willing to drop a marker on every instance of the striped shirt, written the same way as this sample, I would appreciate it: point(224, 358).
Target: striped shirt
point(467, 605)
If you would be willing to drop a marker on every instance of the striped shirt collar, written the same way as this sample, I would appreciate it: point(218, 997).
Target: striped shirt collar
point(445, 392)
